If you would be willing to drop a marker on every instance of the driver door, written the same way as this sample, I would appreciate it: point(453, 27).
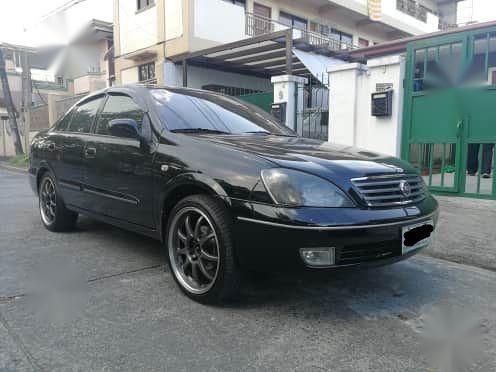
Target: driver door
point(118, 182)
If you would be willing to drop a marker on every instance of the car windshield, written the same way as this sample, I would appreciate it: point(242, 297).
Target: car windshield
point(190, 111)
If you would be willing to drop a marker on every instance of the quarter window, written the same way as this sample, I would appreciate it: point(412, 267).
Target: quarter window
point(118, 107)
point(83, 117)
point(63, 122)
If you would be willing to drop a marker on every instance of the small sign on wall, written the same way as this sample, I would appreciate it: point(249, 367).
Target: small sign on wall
point(382, 87)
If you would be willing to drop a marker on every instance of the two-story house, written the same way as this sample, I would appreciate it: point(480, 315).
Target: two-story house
point(149, 33)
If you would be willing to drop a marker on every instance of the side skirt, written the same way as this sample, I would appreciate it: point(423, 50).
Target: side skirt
point(152, 233)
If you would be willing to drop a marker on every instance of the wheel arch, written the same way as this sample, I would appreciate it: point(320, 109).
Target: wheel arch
point(183, 186)
point(41, 171)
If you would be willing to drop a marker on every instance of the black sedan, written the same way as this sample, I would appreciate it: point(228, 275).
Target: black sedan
point(225, 187)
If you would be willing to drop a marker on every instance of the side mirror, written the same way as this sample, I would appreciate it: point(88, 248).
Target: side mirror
point(127, 128)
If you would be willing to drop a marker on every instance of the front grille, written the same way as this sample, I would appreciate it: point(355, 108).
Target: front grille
point(389, 190)
point(359, 253)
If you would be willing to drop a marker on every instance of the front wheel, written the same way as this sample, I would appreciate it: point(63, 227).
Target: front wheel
point(200, 249)
point(54, 215)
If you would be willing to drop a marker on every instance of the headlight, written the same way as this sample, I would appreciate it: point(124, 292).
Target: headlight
point(294, 188)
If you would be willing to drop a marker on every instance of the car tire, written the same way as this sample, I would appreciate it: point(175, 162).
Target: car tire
point(200, 250)
point(54, 214)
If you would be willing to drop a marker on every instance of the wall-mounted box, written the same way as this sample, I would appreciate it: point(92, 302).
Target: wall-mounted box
point(382, 103)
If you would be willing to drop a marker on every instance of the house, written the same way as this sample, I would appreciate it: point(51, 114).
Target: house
point(60, 74)
point(149, 33)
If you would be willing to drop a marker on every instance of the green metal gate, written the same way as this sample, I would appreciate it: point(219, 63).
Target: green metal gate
point(449, 124)
point(262, 100)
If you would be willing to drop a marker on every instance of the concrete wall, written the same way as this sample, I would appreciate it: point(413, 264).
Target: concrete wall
point(174, 19)
point(6, 142)
point(219, 21)
point(137, 30)
point(350, 119)
point(89, 83)
point(198, 77)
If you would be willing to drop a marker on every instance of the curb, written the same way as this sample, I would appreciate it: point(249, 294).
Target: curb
point(13, 169)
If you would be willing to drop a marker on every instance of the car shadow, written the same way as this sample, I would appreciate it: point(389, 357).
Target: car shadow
point(397, 290)
point(382, 291)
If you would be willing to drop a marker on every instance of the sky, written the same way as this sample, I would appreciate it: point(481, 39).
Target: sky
point(20, 15)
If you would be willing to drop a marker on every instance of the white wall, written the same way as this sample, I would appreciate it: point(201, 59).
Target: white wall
point(392, 16)
point(129, 75)
point(138, 30)
point(219, 21)
point(350, 119)
point(173, 19)
point(198, 77)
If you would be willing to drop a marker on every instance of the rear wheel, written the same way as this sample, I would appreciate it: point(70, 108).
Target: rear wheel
point(54, 215)
point(200, 249)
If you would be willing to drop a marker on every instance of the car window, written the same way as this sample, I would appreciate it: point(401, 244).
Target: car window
point(183, 110)
point(83, 116)
point(118, 107)
point(64, 122)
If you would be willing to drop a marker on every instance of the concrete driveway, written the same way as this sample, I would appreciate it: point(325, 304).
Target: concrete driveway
point(103, 299)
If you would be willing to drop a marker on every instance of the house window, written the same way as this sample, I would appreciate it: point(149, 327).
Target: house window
point(320, 28)
point(146, 72)
point(363, 43)
point(345, 39)
point(237, 2)
point(293, 21)
point(59, 80)
point(143, 4)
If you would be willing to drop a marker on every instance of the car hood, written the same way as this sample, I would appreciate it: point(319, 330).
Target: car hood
point(325, 159)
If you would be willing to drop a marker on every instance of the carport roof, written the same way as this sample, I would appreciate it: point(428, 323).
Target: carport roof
point(262, 56)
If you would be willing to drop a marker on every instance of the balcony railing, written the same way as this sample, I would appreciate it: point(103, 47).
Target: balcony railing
point(257, 25)
point(413, 9)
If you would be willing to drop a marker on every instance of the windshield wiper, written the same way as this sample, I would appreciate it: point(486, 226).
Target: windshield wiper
point(199, 130)
point(257, 132)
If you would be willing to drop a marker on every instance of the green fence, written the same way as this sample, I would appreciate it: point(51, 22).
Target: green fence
point(262, 100)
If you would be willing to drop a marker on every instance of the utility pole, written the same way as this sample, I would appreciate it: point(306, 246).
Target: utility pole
point(27, 97)
point(10, 106)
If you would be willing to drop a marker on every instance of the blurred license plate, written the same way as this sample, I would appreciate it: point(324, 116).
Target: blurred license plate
point(417, 236)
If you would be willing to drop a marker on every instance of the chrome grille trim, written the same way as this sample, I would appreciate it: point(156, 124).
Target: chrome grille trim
point(384, 190)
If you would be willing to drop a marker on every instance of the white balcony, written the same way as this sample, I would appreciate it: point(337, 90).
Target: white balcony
point(221, 22)
point(403, 15)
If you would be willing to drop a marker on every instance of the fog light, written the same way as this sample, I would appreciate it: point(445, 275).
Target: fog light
point(318, 257)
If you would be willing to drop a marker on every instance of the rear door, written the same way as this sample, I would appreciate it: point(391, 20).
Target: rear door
point(65, 149)
point(119, 170)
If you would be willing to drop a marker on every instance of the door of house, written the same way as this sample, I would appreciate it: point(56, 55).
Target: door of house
point(449, 127)
point(262, 21)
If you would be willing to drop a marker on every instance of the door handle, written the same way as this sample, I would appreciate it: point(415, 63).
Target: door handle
point(90, 152)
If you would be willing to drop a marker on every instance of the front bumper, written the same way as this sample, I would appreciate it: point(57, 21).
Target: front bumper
point(270, 238)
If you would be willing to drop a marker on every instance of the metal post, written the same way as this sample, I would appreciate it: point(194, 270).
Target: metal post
point(185, 73)
point(289, 52)
point(10, 106)
point(27, 97)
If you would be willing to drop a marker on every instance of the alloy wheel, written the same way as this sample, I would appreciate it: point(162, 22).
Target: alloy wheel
point(194, 250)
point(48, 201)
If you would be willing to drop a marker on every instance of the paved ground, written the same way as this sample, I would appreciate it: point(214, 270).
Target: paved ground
point(102, 299)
